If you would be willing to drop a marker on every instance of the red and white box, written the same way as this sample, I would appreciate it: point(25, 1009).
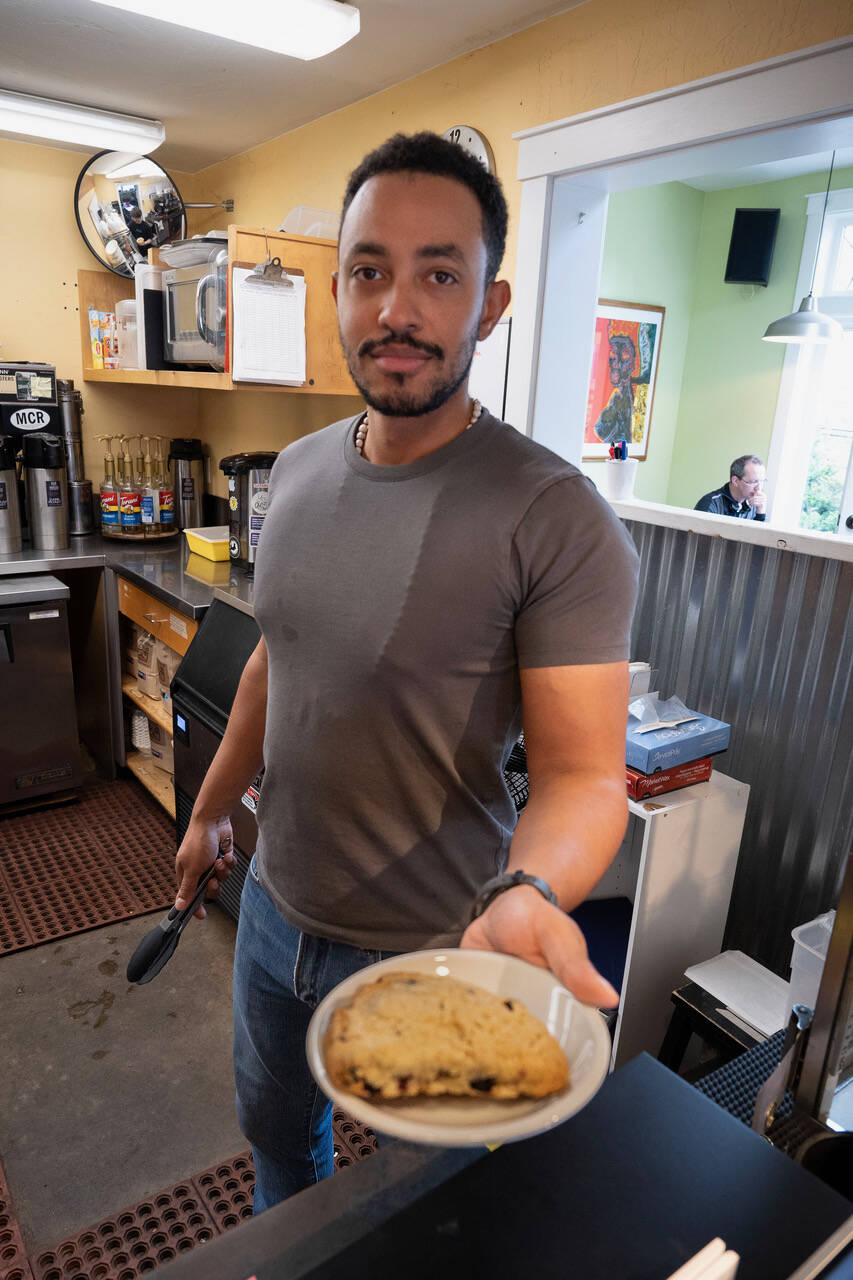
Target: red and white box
point(643, 785)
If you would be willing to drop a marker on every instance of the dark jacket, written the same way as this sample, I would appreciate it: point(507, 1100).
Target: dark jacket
point(721, 503)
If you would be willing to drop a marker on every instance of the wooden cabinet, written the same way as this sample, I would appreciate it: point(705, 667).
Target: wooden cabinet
point(176, 630)
point(326, 371)
point(165, 623)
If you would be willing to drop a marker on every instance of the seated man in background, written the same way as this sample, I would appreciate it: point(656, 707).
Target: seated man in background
point(743, 496)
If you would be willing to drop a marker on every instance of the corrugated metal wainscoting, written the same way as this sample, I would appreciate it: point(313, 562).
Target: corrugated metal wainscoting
point(762, 638)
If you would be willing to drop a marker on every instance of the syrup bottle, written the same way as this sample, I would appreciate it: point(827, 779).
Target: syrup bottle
point(129, 497)
point(162, 479)
point(109, 493)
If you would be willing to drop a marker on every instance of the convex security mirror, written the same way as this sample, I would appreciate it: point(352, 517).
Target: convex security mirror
point(126, 204)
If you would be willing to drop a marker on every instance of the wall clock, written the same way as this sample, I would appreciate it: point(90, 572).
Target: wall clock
point(472, 141)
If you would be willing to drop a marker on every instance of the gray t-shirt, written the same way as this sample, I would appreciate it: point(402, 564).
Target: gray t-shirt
point(397, 605)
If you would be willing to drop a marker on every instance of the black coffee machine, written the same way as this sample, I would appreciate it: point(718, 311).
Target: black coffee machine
point(248, 493)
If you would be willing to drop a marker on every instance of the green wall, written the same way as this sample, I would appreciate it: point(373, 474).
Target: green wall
point(731, 378)
point(717, 381)
point(650, 248)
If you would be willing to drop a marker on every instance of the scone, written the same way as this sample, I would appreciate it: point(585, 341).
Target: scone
point(409, 1033)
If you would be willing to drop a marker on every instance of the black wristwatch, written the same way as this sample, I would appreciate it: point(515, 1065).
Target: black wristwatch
point(499, 884)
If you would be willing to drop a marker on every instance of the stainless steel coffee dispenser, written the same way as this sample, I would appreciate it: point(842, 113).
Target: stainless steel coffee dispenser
point(10, 510)
point(47, 491)
point(81, 516)
point(248, 492)
point(187, 462)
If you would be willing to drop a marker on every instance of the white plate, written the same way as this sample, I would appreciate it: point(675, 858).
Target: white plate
point(579, 1029)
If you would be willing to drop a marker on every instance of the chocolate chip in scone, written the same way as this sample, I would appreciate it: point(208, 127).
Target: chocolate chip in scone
point(484, 1084)
point(509, 1004)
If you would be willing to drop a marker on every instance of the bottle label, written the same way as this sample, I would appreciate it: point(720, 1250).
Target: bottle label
point(131, 513)
point(4, 501)
point(147, 509)
point(167, 506)
point(53, 490)
point(187, 488)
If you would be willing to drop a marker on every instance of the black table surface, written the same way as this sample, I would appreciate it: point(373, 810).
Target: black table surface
point(628, 1189)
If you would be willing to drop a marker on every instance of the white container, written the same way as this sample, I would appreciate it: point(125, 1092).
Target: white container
point(807, 959)
point(618, 478)
point(126, 331)
point(305, 221)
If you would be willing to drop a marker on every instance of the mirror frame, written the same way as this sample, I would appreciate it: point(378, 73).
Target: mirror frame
point(83, 235)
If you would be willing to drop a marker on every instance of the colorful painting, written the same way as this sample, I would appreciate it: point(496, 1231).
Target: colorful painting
point(622, 385)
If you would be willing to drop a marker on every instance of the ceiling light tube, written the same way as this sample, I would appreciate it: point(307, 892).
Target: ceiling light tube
point(300, 28)
point(24, 116)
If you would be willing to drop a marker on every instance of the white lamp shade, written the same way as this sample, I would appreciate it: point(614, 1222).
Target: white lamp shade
point(87, 128)
point(300, 28)
point(804, 325)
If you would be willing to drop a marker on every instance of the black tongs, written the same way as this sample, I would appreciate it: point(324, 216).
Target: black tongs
point(159, 944)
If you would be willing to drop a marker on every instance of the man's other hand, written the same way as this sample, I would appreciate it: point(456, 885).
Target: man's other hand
point(520, 922)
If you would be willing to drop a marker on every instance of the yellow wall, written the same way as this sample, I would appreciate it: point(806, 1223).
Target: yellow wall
point(41, 251)
point(602, 52)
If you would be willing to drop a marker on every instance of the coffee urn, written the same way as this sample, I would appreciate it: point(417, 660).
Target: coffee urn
point(248, 495)
point(10, 510)
point(47, 491)
point(81, 516)
point(187, 462)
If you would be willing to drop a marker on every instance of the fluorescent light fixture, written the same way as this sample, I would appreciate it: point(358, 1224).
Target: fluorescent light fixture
point(24, 116)
point(139, 168)
point(299, 28)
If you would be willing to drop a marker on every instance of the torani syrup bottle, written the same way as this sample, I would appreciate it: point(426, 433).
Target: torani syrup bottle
point(129, 497)
point(162, 478)
point(150, 502)
point(109, 493)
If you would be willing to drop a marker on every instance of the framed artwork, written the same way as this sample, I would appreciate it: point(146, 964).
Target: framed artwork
point(622, 383)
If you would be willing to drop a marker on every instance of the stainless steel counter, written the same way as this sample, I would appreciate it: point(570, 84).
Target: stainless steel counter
point(169, 570)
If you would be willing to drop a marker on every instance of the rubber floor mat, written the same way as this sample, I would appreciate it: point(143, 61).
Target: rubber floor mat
point(151, 1233)
point(108, 857)
point(13, 1260)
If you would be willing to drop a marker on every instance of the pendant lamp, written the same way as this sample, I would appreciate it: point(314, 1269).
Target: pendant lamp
point(807, 324)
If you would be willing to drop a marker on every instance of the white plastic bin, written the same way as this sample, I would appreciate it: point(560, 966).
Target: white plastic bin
point(807, 959)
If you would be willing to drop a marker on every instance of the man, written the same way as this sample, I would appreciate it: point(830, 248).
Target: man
point(425, 572)
point(142, 232)
point(744, 496)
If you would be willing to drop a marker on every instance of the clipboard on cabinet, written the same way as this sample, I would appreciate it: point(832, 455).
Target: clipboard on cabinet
point(268, 327)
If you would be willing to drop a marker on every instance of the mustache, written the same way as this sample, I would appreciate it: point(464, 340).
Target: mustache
point(368, 347)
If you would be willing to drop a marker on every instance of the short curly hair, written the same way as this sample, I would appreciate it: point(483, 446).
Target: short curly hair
point(427, 152)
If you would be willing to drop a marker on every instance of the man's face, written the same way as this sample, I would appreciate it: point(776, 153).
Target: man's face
point(750, 484)
point(410, 290)
point(621, 359)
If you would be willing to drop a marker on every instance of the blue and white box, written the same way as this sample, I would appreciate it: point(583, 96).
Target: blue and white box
point(662, 733)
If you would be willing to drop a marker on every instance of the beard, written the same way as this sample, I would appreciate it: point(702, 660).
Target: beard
point(398, 402)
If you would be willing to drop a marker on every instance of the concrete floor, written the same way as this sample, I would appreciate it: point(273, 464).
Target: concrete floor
point(110, 1092)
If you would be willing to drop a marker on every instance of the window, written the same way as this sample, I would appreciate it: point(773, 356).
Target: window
point(814, 485)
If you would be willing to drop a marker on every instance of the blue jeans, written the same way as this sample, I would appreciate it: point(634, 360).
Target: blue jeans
point(280, 976)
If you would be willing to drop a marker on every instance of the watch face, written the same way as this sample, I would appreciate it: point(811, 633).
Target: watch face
point(473, 142)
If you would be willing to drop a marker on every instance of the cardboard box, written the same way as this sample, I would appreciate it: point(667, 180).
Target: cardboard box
point(162, 748)
point(662, 732)
point(643, 785)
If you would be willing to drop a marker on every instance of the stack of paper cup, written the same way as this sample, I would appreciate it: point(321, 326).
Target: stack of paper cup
point(618, 479)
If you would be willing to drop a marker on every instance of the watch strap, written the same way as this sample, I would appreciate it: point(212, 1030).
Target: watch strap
point(508, 880)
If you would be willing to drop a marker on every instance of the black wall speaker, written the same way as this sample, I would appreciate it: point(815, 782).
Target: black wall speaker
point(751, 246)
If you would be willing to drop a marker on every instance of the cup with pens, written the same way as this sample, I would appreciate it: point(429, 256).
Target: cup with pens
point(619, 472)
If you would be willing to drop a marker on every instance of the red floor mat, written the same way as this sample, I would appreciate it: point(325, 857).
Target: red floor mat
point(108, 857)
point(151, 1233)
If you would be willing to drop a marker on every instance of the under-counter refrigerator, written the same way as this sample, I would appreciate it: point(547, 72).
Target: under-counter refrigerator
point(39, 748)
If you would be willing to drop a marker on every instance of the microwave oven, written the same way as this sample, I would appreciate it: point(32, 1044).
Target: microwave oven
point(194, 313)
